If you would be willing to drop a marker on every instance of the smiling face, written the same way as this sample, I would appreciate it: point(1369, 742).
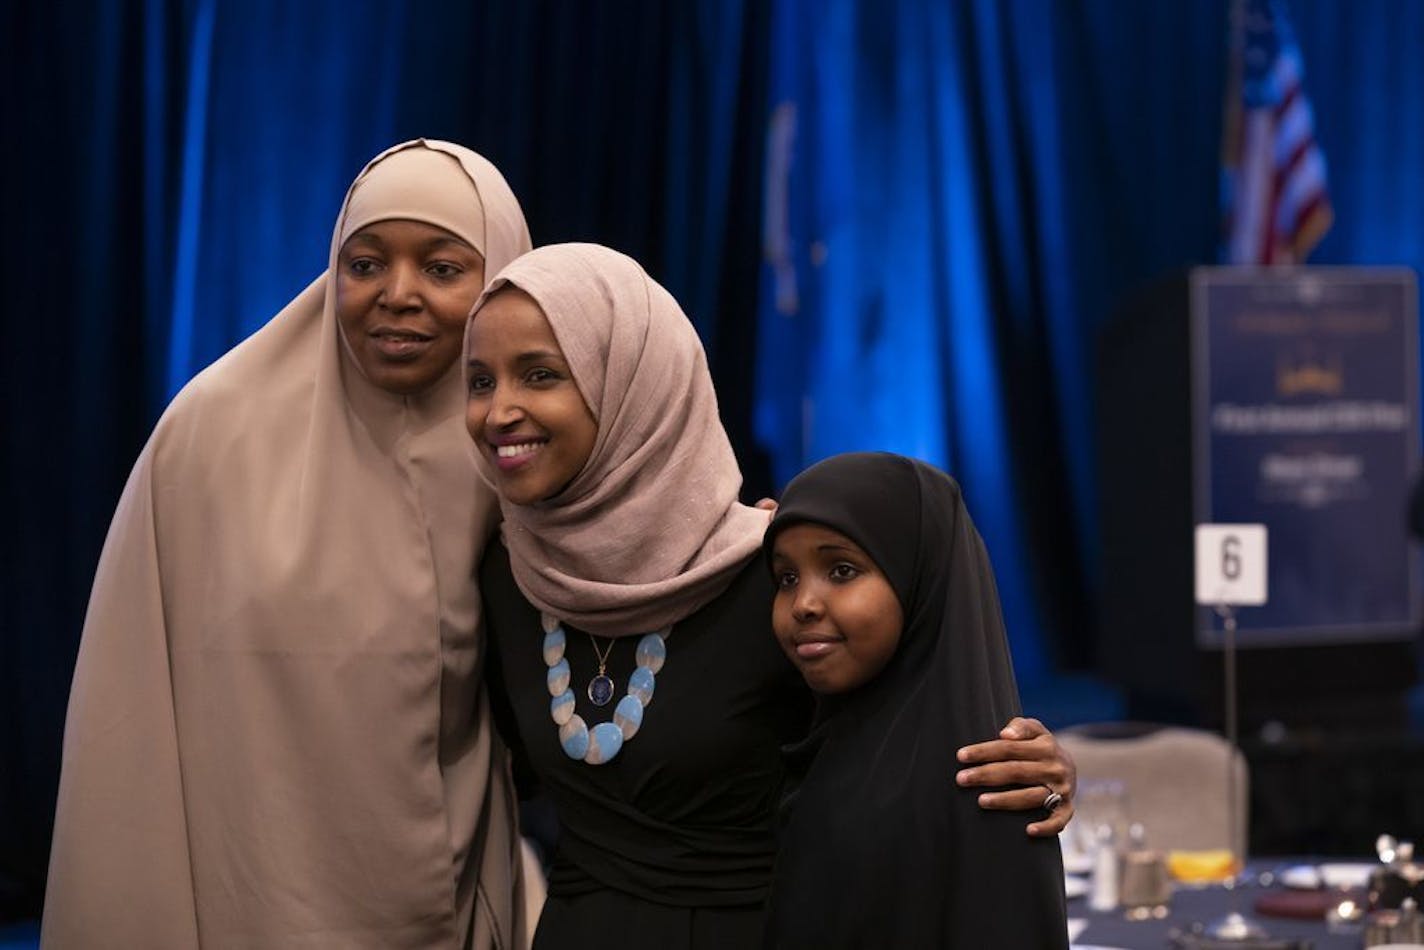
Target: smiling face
point(525, 412)
point(835, 614)
point(403, 291)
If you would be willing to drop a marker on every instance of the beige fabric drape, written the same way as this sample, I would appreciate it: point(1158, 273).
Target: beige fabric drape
point(276, 734)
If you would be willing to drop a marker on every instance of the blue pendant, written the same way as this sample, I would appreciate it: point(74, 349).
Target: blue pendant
point(600, 690)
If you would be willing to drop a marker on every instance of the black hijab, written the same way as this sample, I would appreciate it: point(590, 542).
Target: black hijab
point(881, 848)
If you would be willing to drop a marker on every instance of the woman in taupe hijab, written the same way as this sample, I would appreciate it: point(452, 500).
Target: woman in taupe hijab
point(277, 735)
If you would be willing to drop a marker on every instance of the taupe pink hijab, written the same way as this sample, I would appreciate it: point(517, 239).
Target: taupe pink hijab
point(277, 735)
point(651, 529)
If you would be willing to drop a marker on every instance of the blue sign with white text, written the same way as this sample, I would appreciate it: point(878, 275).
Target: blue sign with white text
point(1305, 419)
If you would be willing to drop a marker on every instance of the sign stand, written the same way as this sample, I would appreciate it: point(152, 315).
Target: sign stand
point(1234, 926)
point(1231, 572)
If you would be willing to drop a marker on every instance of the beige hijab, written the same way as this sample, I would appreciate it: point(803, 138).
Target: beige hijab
point(650, 530)
point(277, 735)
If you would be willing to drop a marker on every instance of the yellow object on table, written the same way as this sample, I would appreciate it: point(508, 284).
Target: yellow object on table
point(1202, 867)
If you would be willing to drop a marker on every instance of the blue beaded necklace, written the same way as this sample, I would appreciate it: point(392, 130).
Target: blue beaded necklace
point(601, 743)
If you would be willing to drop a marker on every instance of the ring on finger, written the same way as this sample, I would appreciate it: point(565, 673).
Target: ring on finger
point(1052, 800)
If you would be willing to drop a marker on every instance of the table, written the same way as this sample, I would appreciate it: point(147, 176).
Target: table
point(1201, 905)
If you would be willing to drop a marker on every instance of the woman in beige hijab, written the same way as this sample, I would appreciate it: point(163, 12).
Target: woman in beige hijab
point(277, 735)
point(630, 580)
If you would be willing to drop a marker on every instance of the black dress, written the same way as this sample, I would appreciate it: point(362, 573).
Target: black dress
point(672, 843)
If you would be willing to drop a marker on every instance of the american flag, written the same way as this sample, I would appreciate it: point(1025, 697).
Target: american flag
point(1273, 173)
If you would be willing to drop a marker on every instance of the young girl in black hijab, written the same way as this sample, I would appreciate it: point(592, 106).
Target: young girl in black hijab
point(886, 604)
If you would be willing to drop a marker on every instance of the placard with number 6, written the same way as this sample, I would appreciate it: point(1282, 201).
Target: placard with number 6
point(1231, 564)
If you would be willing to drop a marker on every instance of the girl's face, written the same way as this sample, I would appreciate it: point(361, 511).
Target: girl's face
point(403, 290)
point(525, 412)
point(835, 614)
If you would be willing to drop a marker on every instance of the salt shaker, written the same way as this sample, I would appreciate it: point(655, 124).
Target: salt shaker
point(1104, 895)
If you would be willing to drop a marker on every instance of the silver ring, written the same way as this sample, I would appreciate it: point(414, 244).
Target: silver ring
point(1052, 801)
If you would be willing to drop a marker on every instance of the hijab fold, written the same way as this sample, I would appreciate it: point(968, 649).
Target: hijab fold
point(650, 530)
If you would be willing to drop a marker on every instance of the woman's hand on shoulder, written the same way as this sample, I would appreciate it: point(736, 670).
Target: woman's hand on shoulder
point(1025, 754)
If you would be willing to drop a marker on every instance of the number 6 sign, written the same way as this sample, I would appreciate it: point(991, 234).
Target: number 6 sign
point(1231, 564)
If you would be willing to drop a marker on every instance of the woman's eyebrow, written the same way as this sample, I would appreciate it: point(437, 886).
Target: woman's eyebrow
point(534, 356)
point(449, 240)
point(854, 552)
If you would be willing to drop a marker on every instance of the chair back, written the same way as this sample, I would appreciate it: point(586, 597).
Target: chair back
point(1173, 781)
